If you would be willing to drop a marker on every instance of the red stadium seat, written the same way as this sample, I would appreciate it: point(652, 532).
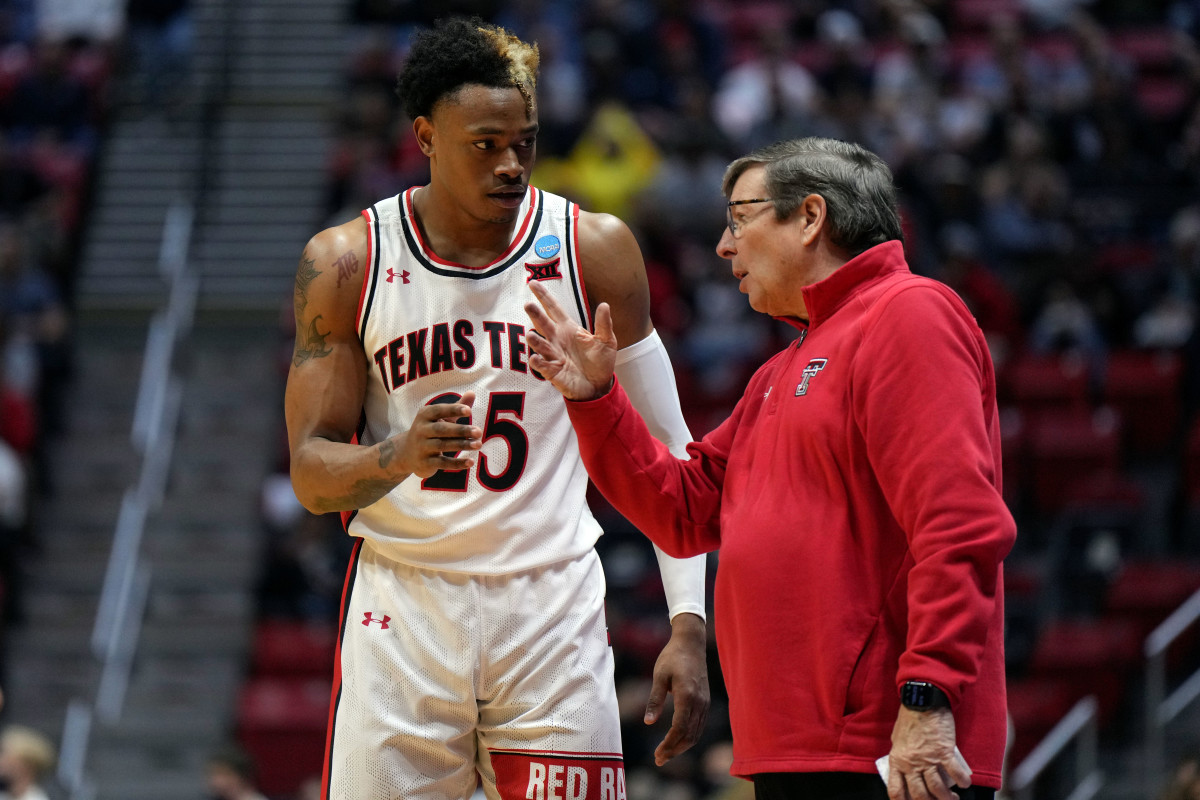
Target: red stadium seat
point(1162, 96)
point(1045, 383)
point(1149, 49)
point(1013, 438)
point(1066, 449)
point(1036, 705)
point(292, 647)
point(1096, 656)
point(281, 722)
point(1145, 387)
point(977, 15)
point(1146, 592)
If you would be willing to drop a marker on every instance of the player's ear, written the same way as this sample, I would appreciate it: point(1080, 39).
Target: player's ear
point(423, 129)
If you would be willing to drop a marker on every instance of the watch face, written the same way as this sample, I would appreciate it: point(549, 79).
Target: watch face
point(920, 696)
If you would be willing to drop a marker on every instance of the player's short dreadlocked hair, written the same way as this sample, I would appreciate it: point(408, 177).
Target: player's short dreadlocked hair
point(459, 51)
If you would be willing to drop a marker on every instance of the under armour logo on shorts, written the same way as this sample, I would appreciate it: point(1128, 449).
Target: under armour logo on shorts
point(369, 617)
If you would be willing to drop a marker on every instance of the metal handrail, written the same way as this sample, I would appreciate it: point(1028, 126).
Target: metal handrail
point(1161, 707)
point(126, 587)
point(1080, 722)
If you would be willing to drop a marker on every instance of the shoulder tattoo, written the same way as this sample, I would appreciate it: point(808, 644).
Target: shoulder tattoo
point(311, 343)
point(304, 277)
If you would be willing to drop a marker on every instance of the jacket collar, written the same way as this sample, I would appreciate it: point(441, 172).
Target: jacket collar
point(823, 298)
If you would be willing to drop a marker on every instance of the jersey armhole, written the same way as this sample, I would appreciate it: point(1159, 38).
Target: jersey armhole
point(368, 288)
point(575, 267)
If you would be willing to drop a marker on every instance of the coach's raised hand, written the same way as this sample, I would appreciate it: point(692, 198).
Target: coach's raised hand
point(579, 364)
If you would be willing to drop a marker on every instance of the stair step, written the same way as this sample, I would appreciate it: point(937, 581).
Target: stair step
point(60, 513)
point(142, 196)
point(191, 639)
point(115, 249)
point(227, 606)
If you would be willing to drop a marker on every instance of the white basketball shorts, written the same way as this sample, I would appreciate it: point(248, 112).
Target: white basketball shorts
point(444, 677)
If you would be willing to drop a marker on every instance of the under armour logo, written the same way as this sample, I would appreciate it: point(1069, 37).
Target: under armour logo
point(810, 372)
point(543, 272)
point(392, 275)
point(369, 617)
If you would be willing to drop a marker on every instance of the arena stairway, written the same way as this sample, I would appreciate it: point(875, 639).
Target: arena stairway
point(252, 144)
point(249, 150)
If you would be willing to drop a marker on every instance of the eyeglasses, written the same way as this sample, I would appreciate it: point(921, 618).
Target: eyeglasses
point(734, 226)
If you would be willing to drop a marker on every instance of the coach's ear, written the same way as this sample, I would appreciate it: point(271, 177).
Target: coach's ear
point(423, 129)
point(813, 214)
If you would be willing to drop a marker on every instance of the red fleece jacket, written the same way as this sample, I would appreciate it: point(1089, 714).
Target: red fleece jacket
point(854, 495)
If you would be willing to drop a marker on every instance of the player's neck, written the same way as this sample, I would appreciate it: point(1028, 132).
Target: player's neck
point(457, 236)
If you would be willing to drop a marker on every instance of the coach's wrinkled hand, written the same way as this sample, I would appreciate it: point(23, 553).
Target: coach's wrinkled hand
point(577, 363)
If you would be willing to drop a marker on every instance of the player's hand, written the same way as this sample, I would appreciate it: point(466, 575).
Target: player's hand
point(579, 364)
point(682, 670)
point(923, 764)
point(436, 440)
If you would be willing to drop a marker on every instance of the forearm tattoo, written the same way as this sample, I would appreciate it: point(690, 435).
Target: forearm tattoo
point(362, 494)
point(387, 452)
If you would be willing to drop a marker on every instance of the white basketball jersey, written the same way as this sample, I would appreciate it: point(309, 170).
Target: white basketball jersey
point(432, 330)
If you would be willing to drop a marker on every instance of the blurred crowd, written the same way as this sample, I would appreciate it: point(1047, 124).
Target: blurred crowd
point(61, 66)
point(54, 100)
point(1048, 157)
point(1047, 152)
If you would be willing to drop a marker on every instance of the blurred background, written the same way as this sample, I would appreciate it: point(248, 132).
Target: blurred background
point(168, 611)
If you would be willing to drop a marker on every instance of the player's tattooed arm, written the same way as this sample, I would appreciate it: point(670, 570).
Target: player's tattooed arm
point(304, 278)
point(310, 339)
point(367, 490)
point(311, 343)
point(363, 493)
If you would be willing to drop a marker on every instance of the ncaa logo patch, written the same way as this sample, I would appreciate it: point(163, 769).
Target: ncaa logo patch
point(547, 246)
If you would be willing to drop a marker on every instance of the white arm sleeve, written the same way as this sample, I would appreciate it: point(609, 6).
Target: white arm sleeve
point(644, 369)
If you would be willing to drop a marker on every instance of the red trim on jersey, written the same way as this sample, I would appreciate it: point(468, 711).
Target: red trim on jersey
point(434, 257)
point(587, 306)
point(336, 690)
point(368, 273)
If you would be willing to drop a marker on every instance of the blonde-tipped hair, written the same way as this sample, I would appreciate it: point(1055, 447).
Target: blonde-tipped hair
point(30, 748)
point(458, 52)
point(523, 59)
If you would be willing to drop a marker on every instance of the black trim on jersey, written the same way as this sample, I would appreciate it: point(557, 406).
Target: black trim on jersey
point(347, 594)
point(574, 269)
point(414, 247)
point(561, 756)
point(374, 277)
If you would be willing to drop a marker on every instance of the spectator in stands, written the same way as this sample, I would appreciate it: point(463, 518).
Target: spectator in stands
point(26, 759)
point(1185, 781)
point(765, 90)
point(14, 512)
point(18, 411)
point(907, 88)
point(612, 162)
point(232, 775)
point(51, 103)
point(37, 320)
point(160, 34)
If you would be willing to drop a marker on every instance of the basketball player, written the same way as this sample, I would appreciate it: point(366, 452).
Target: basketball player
point(473, 637)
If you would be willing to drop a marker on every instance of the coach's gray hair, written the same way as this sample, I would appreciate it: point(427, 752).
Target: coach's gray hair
point(860, 196)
